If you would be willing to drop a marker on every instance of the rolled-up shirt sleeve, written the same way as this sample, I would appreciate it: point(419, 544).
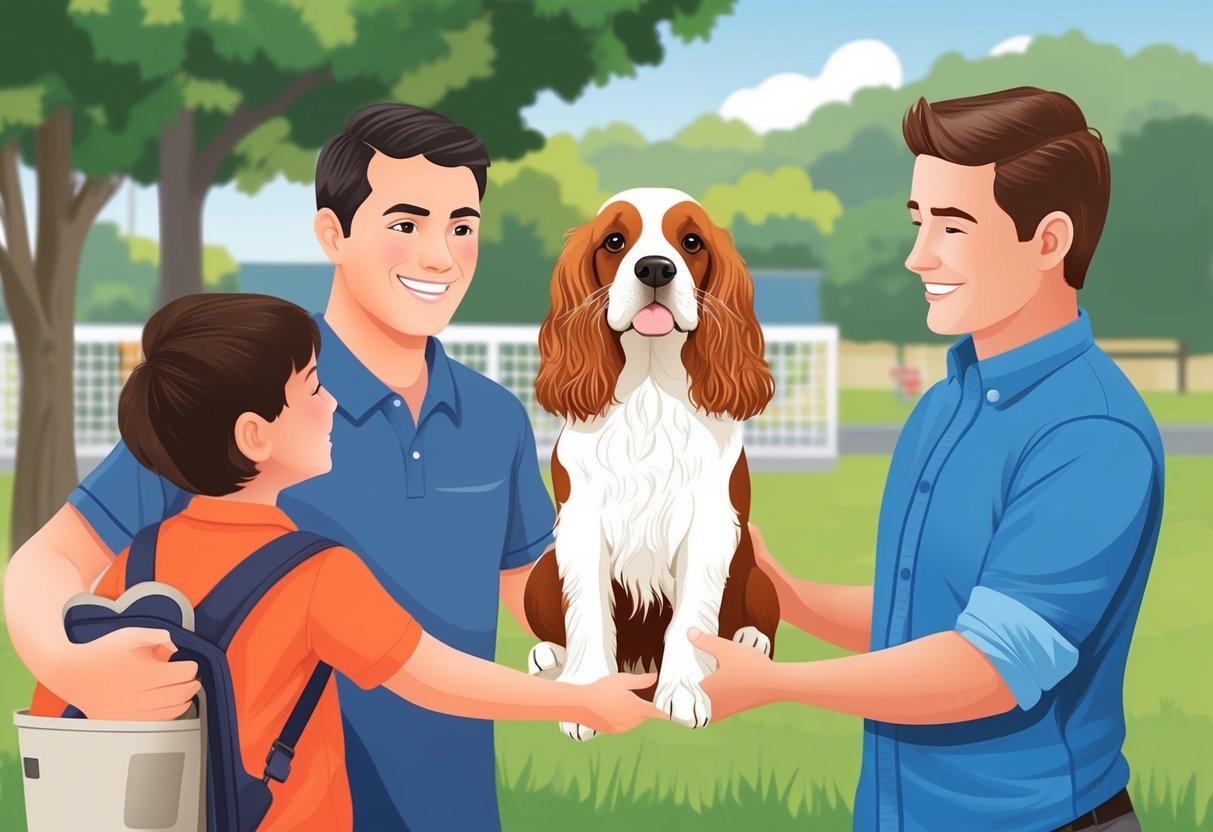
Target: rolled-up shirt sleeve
point(1074, 527)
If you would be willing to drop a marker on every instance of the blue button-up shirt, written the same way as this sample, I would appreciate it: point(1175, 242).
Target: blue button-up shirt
point(1022, 509)
point(436, 510)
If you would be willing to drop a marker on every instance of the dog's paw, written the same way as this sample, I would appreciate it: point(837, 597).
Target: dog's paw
point(753, 637)
point(576, 731)
point(546, 660)
point(684, 701)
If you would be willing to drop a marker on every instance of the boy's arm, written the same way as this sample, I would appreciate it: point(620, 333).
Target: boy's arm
point(839, 614)
point(354, 625)
point(125, 675)
point(440, 678)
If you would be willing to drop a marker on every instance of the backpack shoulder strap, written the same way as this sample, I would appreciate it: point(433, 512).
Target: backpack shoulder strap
point(225, 607)
point(219, 615)
point(141, 558)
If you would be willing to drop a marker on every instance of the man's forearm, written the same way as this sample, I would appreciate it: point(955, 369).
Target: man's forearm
point(61, 559)
point(936, 679)
point(835, 613)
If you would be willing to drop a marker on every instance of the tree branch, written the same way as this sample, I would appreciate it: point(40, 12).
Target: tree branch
point(92, 197)
point(16, 227)
point(244, 120)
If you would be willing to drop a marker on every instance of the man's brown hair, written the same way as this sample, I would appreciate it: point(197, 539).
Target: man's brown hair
point(1045, 159)
point(207, 359)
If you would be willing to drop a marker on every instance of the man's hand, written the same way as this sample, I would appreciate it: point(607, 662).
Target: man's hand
point(767, 563)
point(126, 675)
point(612, 707)
point(742, 679)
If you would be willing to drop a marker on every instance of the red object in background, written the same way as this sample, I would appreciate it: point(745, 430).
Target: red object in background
point(907, 381)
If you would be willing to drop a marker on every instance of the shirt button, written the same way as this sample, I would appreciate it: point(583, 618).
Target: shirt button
point(396, 403)
point(416, 454)
point(992, 396)
point(924, 486)
point(905, 574)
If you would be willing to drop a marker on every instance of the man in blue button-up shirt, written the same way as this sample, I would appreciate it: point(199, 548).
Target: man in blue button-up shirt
point(435, 479)
point(1020, 514)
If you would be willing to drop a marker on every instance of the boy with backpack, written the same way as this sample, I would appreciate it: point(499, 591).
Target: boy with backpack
point(227, 406)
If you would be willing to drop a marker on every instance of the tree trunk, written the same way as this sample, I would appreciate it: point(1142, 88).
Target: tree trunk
point(181, 202)
point(40, 290)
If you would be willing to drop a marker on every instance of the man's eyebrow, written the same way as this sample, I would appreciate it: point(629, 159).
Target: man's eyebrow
point(464, 212)
point(405, 208)
point(953, 212)
point(912, 205)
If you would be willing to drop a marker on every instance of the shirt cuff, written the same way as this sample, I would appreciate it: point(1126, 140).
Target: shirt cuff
point(116, 536)
point(527, 554)
point(1025, 649)
point(392, 661)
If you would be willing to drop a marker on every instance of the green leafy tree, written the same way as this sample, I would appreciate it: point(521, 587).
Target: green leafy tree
point(258, 86)
point(788, 192)
point(873, 164)
point(512, 281)
point(79, 123)
point(1152, 274)
point(866, 288)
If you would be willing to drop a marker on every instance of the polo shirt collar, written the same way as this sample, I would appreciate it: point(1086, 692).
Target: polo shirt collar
point(235, 513)
point(358, 391)
point(1014, 371)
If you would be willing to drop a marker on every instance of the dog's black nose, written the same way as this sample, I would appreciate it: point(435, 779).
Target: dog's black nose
point(655, 271)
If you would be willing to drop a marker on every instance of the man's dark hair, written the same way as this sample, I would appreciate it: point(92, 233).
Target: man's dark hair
point(1045, 159)
point(399, 131)
point(207, 359)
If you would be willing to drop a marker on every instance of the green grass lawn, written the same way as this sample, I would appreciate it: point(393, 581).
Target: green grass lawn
point(791, 767)
point(878, 407)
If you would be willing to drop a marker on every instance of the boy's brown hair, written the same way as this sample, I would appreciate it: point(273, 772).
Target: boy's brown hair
point(1045, 159)
point(207, 359)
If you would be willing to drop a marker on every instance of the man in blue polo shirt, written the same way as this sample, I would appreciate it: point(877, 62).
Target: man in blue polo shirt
point(1020, 514)
point(435, 480)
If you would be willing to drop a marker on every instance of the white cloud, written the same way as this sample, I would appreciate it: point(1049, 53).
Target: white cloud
point(788, 99)
point(1019, 43)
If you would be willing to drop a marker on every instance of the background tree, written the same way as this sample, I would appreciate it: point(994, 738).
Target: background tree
point(78, 123)
point(867, 289)
point(237, 69)
point(1152, 275)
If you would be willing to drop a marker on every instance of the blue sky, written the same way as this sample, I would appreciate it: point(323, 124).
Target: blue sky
point(761, 38)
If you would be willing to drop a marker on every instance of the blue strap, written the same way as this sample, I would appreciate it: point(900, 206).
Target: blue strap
point(223, 610)
point(141, 559)
point(278, 761)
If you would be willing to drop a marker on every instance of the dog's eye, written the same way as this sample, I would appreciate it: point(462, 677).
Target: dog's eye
point(614, 242)
point(691, 243)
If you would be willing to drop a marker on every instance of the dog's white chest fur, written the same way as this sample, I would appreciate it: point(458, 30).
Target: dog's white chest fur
point(647, 470)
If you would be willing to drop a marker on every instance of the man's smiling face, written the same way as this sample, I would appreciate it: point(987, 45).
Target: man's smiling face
point(413, 243)
point(975, 271)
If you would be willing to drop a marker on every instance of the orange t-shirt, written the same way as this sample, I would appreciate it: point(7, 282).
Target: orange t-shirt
point(329, 609)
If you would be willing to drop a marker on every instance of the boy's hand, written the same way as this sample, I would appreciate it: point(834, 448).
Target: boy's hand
point(742, 678)
point(611, 705)
point(127, 675)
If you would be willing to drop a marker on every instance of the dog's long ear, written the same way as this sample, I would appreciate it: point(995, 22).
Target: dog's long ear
point(724, 354)
point(580, 357)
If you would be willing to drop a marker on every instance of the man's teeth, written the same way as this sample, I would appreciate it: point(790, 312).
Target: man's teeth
point(422, 287)
point(941, 288)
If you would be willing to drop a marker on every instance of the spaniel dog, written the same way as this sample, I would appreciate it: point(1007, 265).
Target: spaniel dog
point(653, 355)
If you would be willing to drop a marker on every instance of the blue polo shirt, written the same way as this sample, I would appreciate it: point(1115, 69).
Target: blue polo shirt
point(436, 511)
point(1022, 510)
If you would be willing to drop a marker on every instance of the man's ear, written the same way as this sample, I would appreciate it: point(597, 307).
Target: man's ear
point(253, 437)
point(1054, 237)
point(329, 234)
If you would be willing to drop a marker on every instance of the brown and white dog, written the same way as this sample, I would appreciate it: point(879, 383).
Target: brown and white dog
point(653, 355)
